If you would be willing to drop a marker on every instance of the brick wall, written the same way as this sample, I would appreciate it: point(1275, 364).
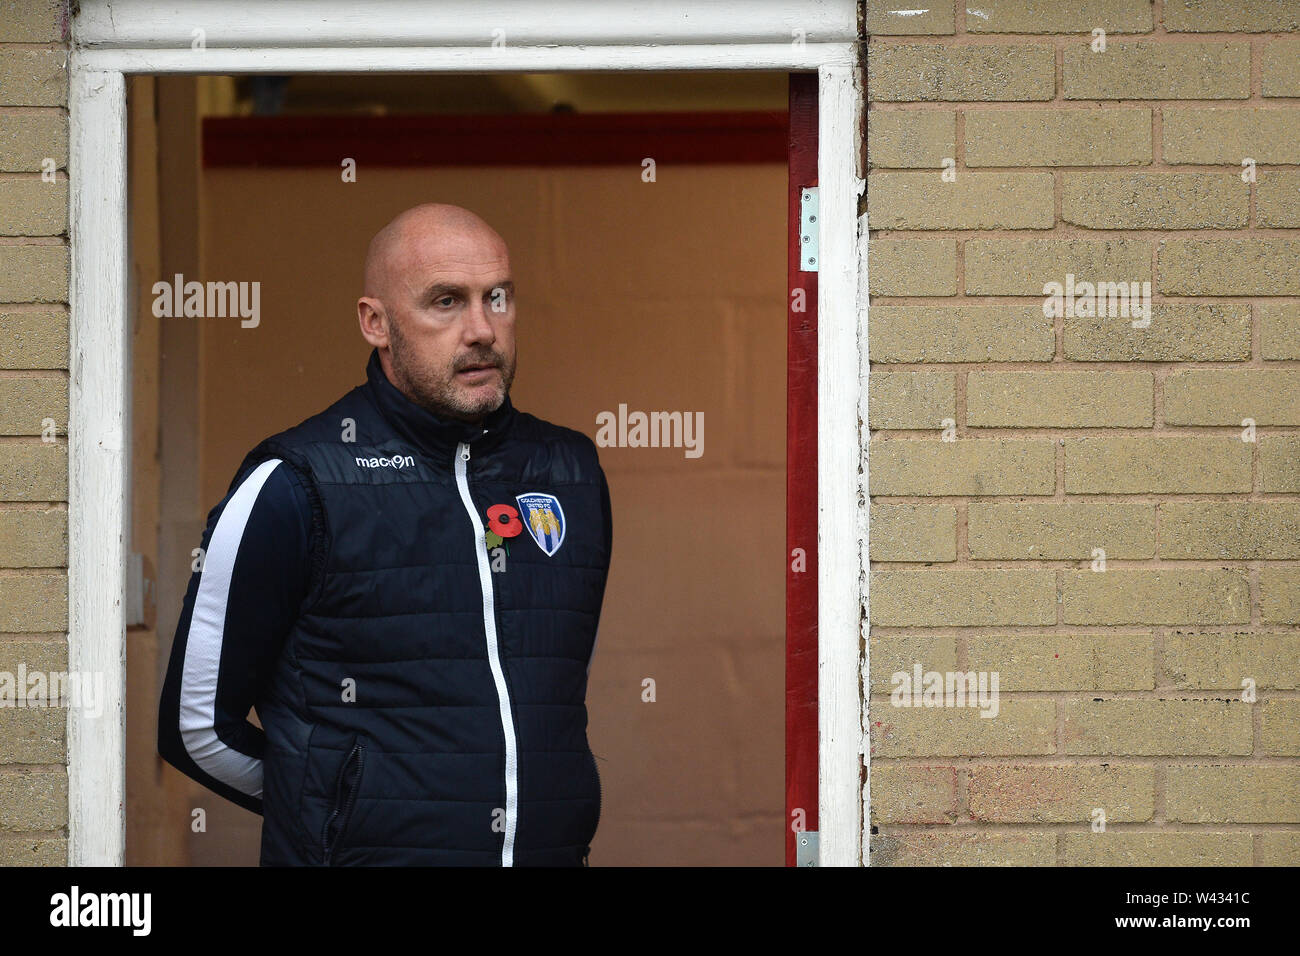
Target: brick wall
point(1120, 689)
point(33, 388)
point(1010, 448)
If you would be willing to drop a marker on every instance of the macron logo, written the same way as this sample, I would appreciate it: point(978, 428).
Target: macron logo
point(397, 461)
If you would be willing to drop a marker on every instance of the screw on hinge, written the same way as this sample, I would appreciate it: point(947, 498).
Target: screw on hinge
point(806, 848)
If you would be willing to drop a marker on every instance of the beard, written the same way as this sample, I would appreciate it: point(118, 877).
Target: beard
point(437, 391)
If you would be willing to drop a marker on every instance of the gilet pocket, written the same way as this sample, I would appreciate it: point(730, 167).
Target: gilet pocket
point(347, 786)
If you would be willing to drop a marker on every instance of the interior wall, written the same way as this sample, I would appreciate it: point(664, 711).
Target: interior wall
point(159, 800)
point(664, 296)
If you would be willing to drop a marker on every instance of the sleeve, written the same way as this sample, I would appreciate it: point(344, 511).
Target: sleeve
point(606, 513)
point(607, 520)
point(239, 606)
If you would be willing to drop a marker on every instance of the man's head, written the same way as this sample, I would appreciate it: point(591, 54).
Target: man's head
point(439, 306)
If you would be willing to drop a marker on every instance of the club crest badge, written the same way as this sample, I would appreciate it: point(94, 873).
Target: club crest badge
point(544, 519)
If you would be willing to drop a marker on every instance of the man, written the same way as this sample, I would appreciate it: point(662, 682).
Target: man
point(406, 586)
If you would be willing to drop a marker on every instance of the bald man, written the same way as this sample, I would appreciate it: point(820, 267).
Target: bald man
point(406, 586)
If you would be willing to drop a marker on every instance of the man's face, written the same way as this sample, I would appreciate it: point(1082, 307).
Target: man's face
point(449, 306)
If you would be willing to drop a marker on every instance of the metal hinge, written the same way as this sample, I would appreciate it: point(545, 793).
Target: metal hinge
point(140, 592)
point(805, 853)
point(808, 227)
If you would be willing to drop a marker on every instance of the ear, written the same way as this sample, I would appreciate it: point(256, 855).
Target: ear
point(373, 319)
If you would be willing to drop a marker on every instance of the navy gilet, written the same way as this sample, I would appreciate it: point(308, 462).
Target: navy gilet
point(429, 704)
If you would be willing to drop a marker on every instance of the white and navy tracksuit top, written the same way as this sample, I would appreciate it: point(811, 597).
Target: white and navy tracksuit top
point(410, 604)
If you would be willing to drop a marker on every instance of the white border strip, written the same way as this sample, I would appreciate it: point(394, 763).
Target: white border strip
point(839, 501)
point(864, 528)
point(391, 24)
point(476, 59)
point(98, 372)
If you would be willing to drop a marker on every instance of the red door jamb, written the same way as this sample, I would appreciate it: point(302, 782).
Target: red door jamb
point(801, 484)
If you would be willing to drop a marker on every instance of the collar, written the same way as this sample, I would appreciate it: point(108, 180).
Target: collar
point(433, 434)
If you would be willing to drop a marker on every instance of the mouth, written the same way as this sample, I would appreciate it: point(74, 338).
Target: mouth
point(476, 372)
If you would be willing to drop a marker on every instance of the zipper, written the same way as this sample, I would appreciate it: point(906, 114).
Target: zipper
point(586, 852)
point(599, 791)
point(494, 656)
point(343, 803)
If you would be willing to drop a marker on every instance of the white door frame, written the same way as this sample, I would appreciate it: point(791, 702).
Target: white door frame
point(112, 38)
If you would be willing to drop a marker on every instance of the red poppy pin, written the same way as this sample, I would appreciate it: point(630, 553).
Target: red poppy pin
point(503, 522)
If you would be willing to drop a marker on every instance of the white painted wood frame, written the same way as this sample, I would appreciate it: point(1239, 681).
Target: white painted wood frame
point(116, 37)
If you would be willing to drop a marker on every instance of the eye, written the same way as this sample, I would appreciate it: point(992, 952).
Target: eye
point(446, 301)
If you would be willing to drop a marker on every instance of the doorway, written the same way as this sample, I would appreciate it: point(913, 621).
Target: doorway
point(648, 249)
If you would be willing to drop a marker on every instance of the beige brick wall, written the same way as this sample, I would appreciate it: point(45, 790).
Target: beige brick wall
point(1120, 689)
point(33, 388)
point(1009, 449)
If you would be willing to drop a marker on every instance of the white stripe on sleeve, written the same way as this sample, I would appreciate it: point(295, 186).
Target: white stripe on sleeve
point(203, 646)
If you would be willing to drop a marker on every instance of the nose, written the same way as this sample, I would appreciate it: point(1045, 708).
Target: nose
point(478, 328)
